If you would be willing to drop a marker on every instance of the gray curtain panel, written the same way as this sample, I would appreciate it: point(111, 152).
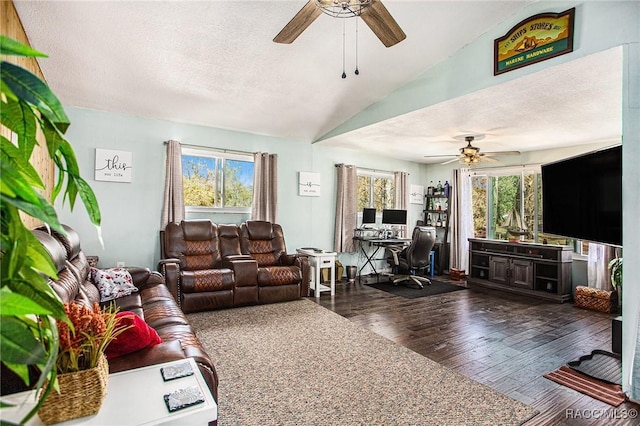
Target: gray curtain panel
point(346, 208)
point(454, 220)
point(173, 204)
point(461, 219)
point(598, 274)
point(265, 187)
point(401, 187)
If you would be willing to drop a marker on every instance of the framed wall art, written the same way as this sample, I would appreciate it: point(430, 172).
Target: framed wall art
point(309, 184)
point(113, 166)
point(537, 38)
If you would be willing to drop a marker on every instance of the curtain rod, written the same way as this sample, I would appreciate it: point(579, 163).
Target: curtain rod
point(366, 168)
point(223, 150)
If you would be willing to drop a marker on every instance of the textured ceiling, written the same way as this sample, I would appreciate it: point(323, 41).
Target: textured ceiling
point(214, 63)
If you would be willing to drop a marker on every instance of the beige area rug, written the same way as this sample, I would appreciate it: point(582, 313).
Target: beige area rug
point(297, 363)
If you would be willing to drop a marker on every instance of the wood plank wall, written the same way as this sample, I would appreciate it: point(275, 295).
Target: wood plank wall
point(11, 26)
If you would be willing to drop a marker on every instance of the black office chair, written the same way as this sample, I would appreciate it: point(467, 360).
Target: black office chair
point(413, 260)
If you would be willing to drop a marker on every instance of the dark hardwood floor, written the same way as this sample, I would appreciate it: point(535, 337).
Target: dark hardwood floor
point(506, 342)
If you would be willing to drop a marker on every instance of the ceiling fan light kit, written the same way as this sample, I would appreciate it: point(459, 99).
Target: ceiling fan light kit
point(470, 155)
point(344, 8)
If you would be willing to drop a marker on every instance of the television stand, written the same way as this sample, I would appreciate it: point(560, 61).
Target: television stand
point(529, 269)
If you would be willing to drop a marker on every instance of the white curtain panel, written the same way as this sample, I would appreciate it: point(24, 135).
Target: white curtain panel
point(173, 204)
point(401, 188)
point(265, 187)
point(598, 275)
point(461, 219)
point(346, 206)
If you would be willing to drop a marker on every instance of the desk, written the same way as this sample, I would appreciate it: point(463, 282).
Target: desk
point(317, 261)
point(378, 243)
point(134, 397)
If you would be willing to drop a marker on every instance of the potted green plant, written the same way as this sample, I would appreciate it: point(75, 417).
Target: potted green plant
point(29, 307)
point(615, 267)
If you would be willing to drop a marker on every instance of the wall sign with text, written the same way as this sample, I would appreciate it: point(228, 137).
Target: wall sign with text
point(113, 166)
point(309, 184)
point(535, 39)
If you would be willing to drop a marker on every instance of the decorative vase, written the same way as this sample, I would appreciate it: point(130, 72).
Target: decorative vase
point(81, 394)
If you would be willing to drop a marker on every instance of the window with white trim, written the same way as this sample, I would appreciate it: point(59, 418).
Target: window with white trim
point(375, 189)
point(505, 200)
point(217, 180)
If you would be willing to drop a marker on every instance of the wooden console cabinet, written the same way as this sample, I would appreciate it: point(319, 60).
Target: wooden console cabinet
point(530, 269)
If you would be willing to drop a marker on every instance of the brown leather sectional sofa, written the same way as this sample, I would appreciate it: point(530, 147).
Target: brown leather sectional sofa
point(153, 303)
point(208, 266)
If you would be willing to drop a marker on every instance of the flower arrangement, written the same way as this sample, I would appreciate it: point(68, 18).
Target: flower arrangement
point(82, 344)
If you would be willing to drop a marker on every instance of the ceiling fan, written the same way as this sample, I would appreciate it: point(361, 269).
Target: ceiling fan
point(470, 154)
point(372, 12)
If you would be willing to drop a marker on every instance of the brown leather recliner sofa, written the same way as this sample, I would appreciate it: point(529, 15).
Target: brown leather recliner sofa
point(209, 266)
point(153, 303)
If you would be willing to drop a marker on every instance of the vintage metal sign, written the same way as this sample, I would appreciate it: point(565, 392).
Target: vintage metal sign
point(535, 39)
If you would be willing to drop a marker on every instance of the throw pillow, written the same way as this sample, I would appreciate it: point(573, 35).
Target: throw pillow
point(137, 336)
point(112, 283)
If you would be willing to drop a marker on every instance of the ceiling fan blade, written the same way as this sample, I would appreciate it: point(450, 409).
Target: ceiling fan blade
point(378, 18)
point(451, 161)
point(298, 23)
point(502, 153)
point(438, 156)
point(489, 159)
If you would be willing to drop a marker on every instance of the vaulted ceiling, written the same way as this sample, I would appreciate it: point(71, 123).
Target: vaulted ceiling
point(214, 63)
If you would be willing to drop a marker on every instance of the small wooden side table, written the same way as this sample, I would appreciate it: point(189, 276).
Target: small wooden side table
point(319, 259)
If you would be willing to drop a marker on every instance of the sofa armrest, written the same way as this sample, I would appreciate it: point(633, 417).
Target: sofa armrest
point(301, 262)
point(157, 354)
point(144, 277)
point(245, 270)
point(170, 270)
point(305, 269)
point(288, 259)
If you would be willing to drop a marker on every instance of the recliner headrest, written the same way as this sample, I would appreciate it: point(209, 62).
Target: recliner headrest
point(228, 231)
point(53, 247)
point(198, 229)
point(259, 230)
point(70, 240)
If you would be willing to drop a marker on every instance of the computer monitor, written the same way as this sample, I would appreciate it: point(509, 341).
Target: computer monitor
point(368, 215)
point(394, 217)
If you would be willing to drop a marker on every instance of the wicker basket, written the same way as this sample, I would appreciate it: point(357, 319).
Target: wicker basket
point(81, 394)
point(596, 300)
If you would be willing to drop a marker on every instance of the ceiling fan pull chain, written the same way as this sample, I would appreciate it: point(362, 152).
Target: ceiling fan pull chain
point(344, 74)
point(357, 72)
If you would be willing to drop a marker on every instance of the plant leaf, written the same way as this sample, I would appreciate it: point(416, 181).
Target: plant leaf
point(17, 304)
point(20, 118)
point(42, 210)
point(21, 163)
point(30, 88)
point(18, 344)
point(89, 200)
point(11, 47)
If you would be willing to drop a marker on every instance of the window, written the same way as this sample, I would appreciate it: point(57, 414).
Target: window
point(217, 180)
point(509, 199)
point(375, 189)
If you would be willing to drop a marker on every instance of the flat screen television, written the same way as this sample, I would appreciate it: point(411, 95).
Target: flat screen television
point(394, 217)
point(368, 215)
point(582, 197)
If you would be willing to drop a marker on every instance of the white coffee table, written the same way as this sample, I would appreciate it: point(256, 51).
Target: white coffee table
point(134, 397)
point(319, 260)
